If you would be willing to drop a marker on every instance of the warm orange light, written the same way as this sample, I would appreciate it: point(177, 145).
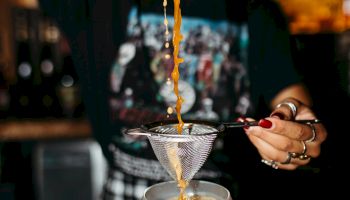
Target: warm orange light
point(26, 3)
point(316, 16)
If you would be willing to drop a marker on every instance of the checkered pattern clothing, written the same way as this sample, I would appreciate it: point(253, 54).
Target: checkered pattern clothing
point(130, 176)
point(121, 186)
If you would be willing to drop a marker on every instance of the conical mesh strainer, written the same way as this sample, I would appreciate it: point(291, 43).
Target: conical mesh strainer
point(182, 155)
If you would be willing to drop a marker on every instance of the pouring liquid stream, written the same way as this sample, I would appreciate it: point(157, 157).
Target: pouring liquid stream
point(175, 75)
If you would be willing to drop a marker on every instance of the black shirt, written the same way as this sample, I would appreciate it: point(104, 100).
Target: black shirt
point(238, 66)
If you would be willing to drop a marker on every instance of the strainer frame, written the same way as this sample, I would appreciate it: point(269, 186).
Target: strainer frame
point(149, 126)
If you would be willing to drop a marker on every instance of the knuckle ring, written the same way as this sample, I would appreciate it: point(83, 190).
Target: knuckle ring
point(270, 163)
point(302, 155)
point(291, 106)
point(313, 137)
point(288, 159)
point(294, 155)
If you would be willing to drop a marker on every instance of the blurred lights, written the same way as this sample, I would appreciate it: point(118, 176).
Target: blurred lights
point(67, 81)
point(316, 16)
point(346, 7)
point(26, 3)
point(25, 70)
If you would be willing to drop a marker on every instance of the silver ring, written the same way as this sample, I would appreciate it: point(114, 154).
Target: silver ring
point(313, 137)
point(304, 148)
point(302, 155)
point(288, 159)
point(294, 155)
point(292, 106)
point(270, 163)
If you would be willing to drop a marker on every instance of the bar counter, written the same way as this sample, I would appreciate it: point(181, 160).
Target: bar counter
point(43, 129)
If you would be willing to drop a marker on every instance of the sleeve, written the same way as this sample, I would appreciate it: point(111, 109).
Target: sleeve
point(271, 65)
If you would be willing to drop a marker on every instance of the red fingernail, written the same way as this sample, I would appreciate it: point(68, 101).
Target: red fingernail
point(278, 115)
point(265, 123)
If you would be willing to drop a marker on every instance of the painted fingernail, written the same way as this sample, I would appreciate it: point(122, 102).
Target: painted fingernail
point(278, 115)
point(265, 123)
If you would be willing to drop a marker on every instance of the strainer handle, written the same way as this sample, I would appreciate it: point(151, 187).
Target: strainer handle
point(256, 123)
point(136, 131)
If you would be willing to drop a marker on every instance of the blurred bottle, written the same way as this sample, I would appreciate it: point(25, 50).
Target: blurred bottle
point(4, 98)
point(22, 91)
point(47, 99)
point(68, 85)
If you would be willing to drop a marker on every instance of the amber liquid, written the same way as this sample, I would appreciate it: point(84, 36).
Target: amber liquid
point(196, 197)
point(175, 75)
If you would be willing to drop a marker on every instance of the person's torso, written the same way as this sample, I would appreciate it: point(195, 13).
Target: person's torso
point(213, 77)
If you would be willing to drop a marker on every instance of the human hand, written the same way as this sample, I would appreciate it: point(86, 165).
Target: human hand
point(284, 144)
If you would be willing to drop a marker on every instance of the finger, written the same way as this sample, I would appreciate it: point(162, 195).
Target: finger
point(266, 160)
point(278, 141)
point(290, 129)
point(294, 134)
point(272, 153)
point(319, 133)
point(283, 143)
point(312, 149)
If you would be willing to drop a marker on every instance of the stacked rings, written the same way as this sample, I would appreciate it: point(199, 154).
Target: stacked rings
point(292, 106)
point(290, 155)
point(302, 155)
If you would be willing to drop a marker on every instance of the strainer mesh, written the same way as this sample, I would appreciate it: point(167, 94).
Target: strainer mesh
point(182, 155)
